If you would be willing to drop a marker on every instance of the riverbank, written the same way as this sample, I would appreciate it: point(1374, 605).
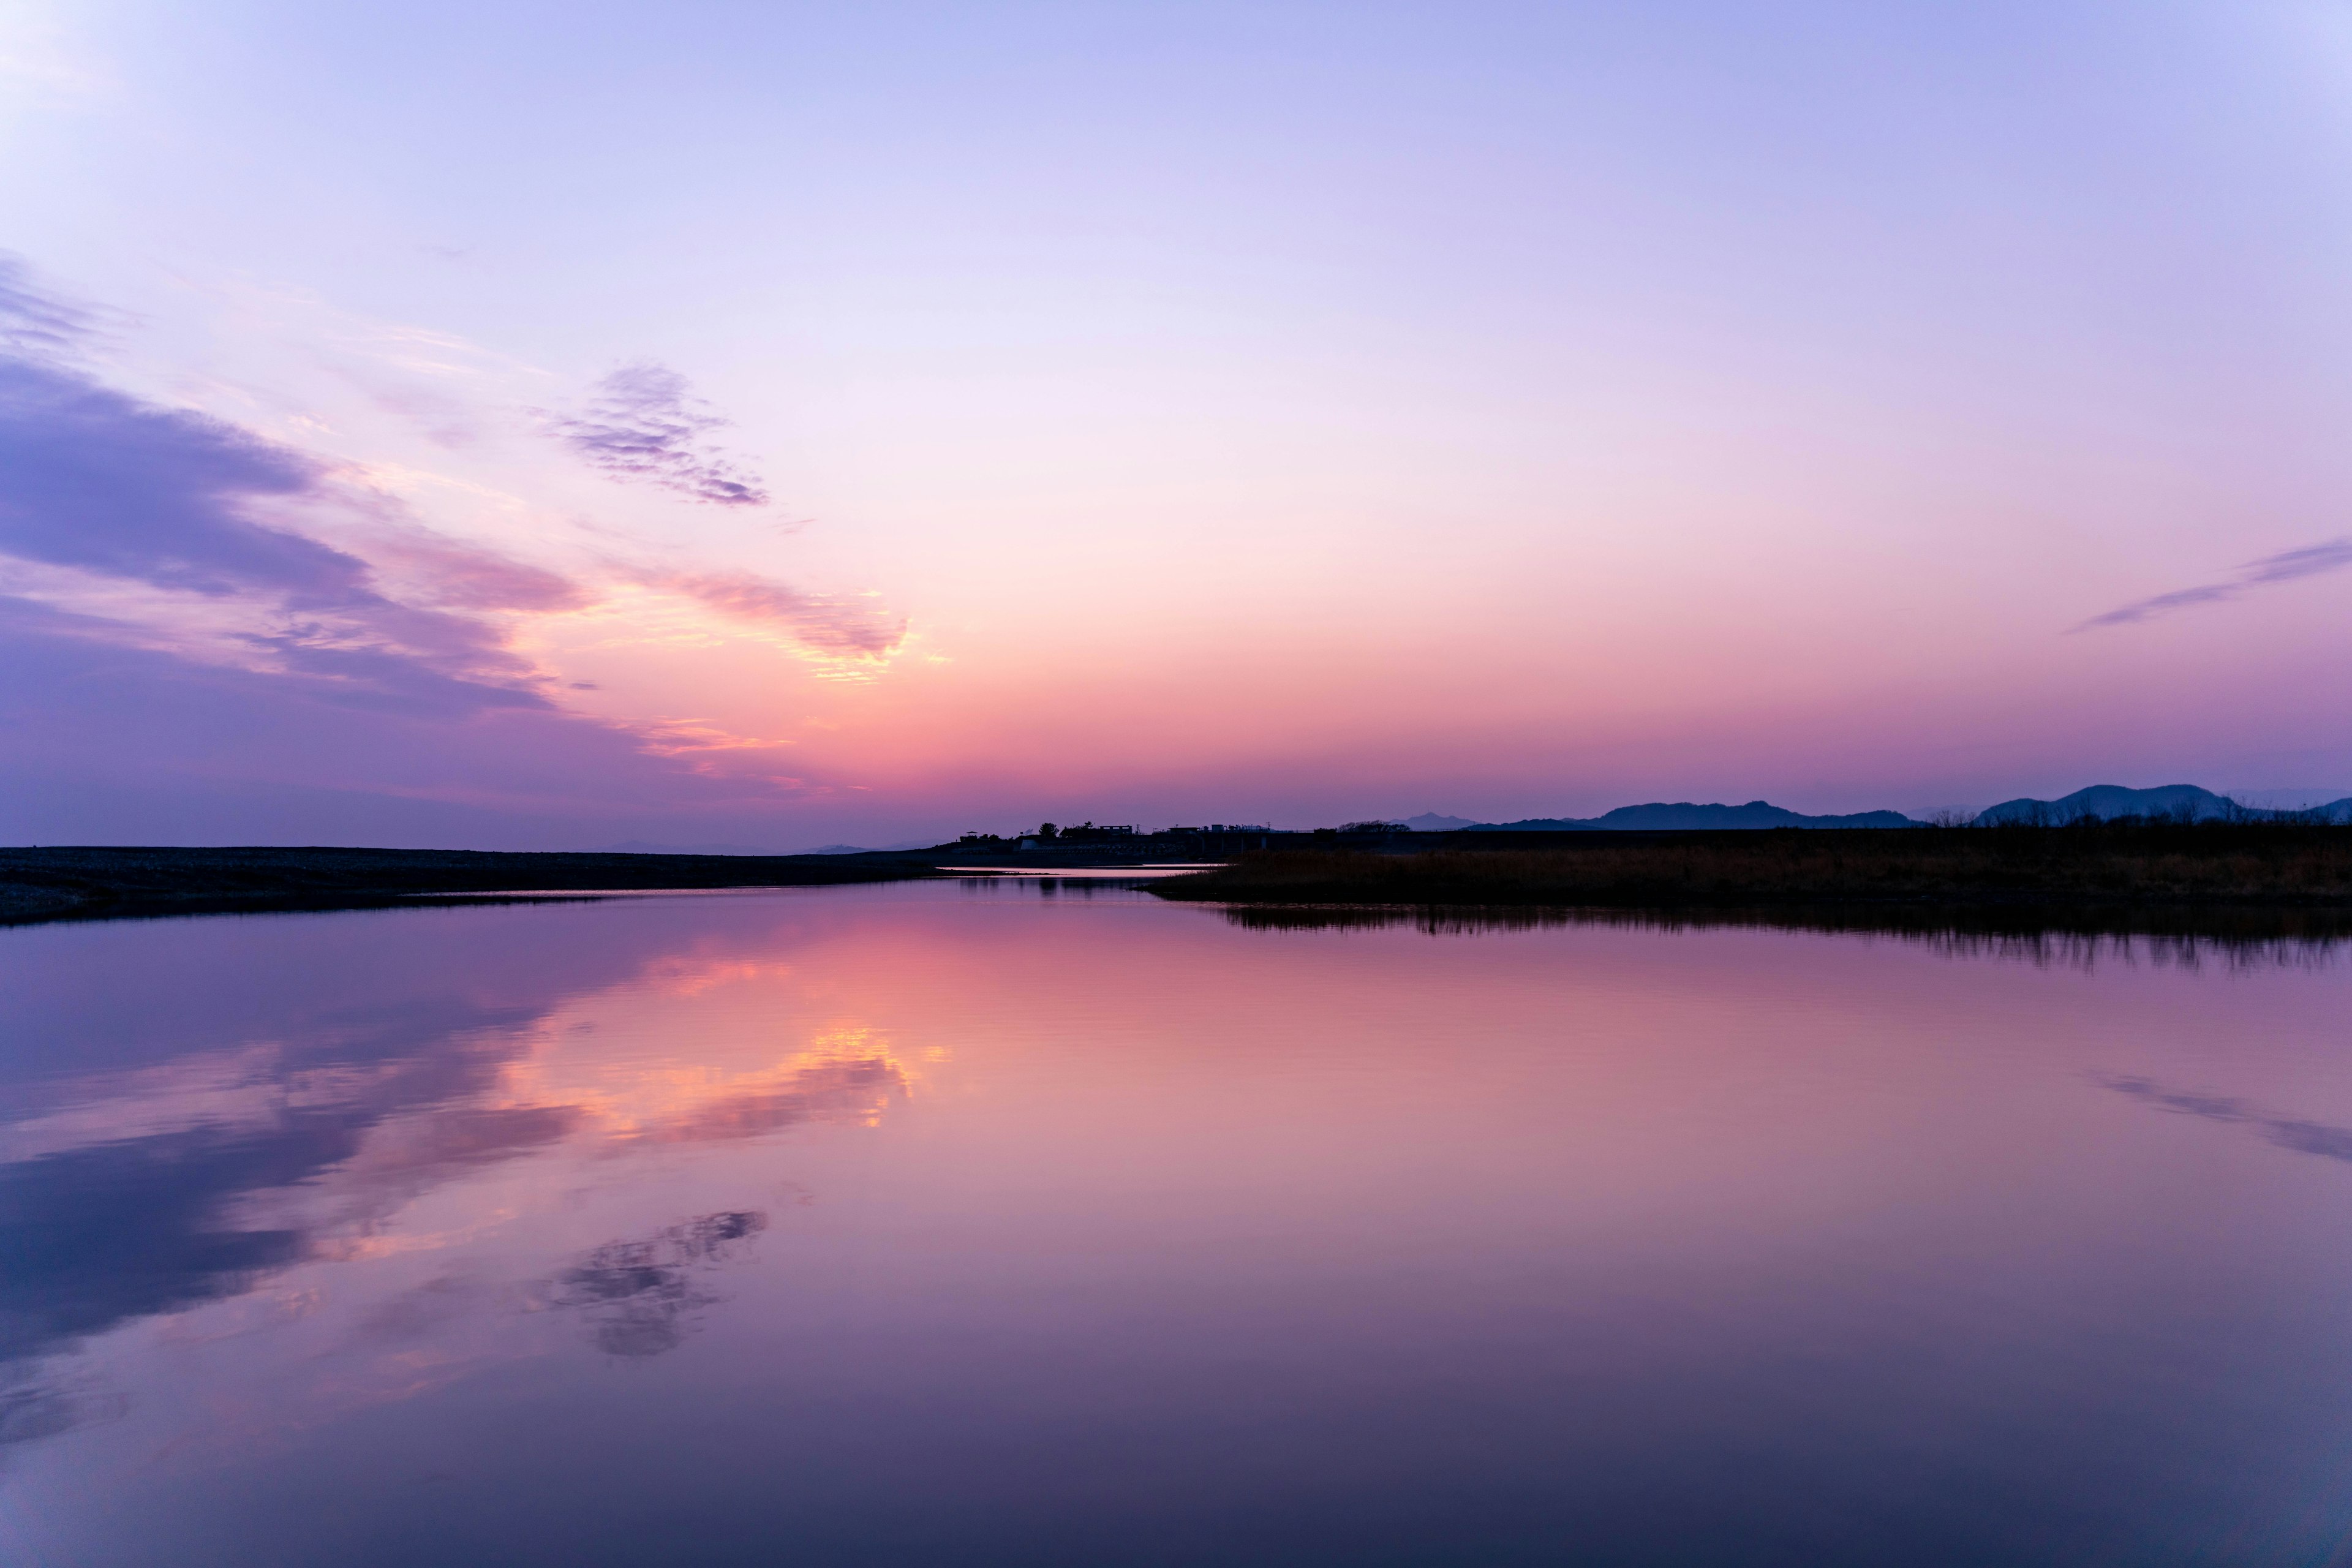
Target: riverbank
point(93, 883)
point(2118, 865)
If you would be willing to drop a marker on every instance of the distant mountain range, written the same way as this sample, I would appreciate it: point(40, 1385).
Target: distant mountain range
point(2166, 800)
point(2099, 800)
point(1684, 813)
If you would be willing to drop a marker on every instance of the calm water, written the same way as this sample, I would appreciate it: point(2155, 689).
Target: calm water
point(933, 1225)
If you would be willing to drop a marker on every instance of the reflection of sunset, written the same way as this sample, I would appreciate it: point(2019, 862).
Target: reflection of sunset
point(439, 1168)
point(848, 1088)
point(842, 1072)
point(692, 975)
point(428, 1166)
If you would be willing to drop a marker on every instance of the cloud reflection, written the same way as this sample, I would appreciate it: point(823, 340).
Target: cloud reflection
point(839, 1088)
point(2304, 1137)
point(639, 1295)
point(131, 1208)
point(168, 1187)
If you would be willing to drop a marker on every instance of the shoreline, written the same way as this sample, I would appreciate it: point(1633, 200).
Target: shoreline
point(40, 885)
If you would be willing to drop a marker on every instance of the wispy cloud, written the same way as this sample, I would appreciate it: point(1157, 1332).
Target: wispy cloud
point(843, 627)
point(451, 574)
point(160, 508)
point(113, 490)
point(192, 611)
point(646, 424)
point(2286, 566)
point(33, 322)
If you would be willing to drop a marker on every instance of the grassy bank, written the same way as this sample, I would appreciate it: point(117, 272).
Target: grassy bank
point(47, 884)
point(2139, 865)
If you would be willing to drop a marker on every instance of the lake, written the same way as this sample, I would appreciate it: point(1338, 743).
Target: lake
point(1030, 1223)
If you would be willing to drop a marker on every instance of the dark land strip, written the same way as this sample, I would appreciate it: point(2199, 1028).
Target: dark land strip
point(51, 884)
point(2259, 881)
point(68, 883)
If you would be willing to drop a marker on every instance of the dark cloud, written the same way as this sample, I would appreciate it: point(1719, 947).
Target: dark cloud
point(105, 483)
point(829, 624)
point(2286, 566)
point(645, 425)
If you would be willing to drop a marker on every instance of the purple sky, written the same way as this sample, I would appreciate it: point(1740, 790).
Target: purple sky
point(543, 426)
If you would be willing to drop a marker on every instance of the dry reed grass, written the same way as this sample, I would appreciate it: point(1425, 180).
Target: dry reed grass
point(2165, 863)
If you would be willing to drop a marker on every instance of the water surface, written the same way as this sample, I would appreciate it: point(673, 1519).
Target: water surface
point(1022, 1224)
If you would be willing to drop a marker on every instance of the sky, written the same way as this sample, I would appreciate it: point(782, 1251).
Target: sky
point(512, 426)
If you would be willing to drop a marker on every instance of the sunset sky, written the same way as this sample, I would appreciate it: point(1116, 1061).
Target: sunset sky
point(543, 426)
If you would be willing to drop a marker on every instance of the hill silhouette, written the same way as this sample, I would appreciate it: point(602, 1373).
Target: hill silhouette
point(2181, 802)
point(1661, 815)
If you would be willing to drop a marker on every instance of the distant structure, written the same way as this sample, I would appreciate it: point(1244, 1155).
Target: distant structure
point(1124, 840)
point(1125, 843)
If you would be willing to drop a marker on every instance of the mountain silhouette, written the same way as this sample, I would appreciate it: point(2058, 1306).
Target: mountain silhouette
point(1684, 813)
point(2186, 801)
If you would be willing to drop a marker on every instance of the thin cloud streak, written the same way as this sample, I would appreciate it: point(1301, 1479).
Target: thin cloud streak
point(647, 426)
point(825, 624)
point(34, 323)
point(2286, 566)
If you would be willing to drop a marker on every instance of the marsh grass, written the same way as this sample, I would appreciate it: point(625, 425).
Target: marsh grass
point(2149, 866)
